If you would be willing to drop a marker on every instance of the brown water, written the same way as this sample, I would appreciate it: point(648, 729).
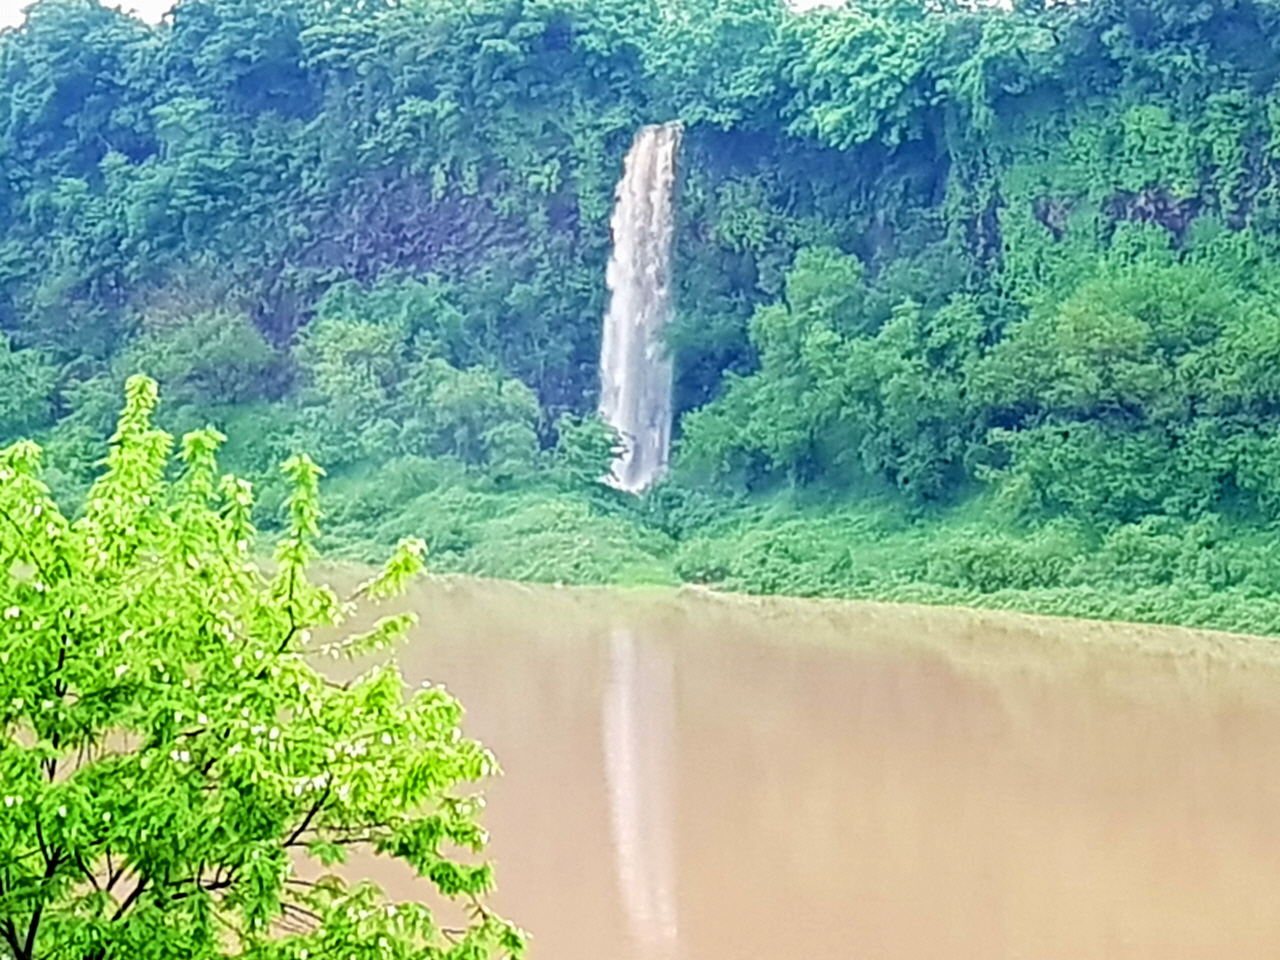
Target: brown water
point(706, 779)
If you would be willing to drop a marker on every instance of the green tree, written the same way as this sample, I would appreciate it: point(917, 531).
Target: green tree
point(30, 380)
point(475, 414)
point(206, 357)
point(167, 751)
point(585, 450)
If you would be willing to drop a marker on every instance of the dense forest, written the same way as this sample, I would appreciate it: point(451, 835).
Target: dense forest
point(975, 304)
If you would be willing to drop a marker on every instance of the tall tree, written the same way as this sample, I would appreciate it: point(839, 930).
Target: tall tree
point(171, 761)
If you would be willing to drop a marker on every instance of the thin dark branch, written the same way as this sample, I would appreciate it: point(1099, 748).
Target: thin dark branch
point(44, 851)
point(343, 842)
point(306, 822)
point(87, 872)
point(22, 534)
point(289, 607)
point(51, 868)
point(114, 874)
point(132, 898)
point(11, 938)
point(303, 911)
point(210, 886)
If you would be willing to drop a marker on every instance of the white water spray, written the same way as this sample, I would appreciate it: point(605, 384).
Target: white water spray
point(635, 372)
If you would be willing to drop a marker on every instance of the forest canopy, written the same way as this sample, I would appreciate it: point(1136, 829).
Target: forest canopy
point(929, 254)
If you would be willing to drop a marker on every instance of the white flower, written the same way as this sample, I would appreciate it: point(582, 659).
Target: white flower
point(202, 719)
point(122, 670)
point(274, 733)
point(62, 811)
point(386, 738)
point(13, 613)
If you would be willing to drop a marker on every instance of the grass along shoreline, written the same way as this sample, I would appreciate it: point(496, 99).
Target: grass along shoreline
point(1219, 574)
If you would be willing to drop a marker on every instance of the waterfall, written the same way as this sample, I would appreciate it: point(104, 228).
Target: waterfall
point(635, 372)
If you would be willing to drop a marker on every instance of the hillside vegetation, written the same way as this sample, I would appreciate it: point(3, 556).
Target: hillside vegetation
point(975, 305)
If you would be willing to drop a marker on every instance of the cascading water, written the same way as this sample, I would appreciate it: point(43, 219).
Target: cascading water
point(635, 372)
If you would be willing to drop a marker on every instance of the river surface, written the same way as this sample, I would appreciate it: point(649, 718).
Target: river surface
point(706, 778)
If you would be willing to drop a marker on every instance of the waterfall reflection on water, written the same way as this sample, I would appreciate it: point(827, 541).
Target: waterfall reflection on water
point(639, 728)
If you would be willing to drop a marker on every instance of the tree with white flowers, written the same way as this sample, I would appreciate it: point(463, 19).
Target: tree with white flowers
point(168, 756)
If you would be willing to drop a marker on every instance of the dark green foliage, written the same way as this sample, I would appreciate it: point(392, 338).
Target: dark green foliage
point(30, 380)
point(956, 267)
point(585, 448)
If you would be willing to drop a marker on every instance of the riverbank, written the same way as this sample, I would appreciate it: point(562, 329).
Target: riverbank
point(1219, 575)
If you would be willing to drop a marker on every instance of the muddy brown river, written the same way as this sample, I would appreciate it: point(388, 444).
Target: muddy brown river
point(705, 778)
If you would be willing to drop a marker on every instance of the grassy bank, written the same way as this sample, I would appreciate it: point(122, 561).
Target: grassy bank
point(1215, 573)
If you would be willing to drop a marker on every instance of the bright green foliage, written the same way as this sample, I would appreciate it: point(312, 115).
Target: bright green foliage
point(830, 398)
point(167, 751)
point(369, 391)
